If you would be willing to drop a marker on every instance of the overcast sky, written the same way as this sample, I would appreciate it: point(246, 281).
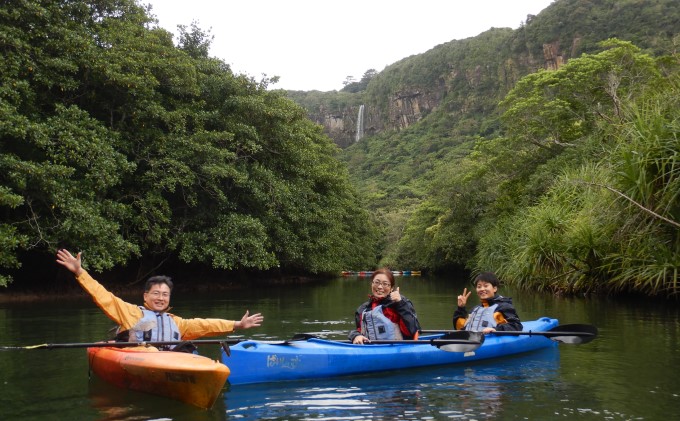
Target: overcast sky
point(316, 44)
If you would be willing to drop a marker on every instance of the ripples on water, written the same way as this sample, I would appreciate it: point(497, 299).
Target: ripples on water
point(628, 373)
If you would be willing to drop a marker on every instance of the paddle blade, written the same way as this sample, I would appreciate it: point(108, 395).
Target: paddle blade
point(459, 341)
point(572, 334)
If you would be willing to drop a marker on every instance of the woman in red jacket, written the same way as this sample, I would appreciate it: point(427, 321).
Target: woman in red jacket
point(387, 315)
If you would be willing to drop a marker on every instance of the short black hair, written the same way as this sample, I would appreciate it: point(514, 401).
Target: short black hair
point(159, 279)
point(489, 277)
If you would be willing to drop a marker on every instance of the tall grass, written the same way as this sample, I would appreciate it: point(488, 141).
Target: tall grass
point(647, 167)
point(612, 225)
point(560, 243)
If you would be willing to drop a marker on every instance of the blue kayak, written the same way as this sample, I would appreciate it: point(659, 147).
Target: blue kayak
point(264, 361)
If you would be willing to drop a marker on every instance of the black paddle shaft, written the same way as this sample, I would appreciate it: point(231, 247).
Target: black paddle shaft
point(222, 342)
point(568, 334)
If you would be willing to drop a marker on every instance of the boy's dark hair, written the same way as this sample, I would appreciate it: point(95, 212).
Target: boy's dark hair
point(155, 280)
point(489, 277)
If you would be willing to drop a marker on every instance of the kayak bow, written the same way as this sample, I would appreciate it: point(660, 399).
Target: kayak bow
point(186, 377)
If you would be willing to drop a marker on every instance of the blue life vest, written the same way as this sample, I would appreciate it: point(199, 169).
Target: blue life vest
point(481, 317)
point(376, 326)
point(155, 327)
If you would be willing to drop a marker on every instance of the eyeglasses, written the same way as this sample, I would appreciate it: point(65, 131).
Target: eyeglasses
point(156, 294)
point(381, 284)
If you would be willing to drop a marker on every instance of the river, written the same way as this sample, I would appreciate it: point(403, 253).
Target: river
point(630, 372)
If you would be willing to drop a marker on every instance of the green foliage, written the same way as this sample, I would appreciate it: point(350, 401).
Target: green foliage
point(196, 42)
point(613, 225)
point(579, 25)
point(325, 102)
point(646, 162)
point(353, 87)
point(120, 144)
point(551, 119)
point(560, 243)
point(469, 69)
point(529, 187)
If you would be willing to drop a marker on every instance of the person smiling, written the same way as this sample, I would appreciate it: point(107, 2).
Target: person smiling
point(387, 315)
point(152, 321)
point(495, 312)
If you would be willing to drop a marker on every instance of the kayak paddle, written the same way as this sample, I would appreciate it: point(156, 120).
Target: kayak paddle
point(462, 341)
point(568, 334)
point(120, 344)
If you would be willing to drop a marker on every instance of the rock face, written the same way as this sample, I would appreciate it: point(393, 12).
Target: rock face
point(341, 125)
point(409, 105)
point(404, 109)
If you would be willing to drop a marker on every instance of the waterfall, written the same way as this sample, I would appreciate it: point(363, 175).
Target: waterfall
point(360, 124)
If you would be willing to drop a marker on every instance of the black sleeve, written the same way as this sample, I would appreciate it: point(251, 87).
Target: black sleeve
point(357, 322)
point(353, 334)
point(459, 313)
point(510, 314)
point(409, 319)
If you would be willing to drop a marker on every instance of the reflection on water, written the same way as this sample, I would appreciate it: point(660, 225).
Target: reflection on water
point(627, 373)
point(458, 391)
point(113, 403)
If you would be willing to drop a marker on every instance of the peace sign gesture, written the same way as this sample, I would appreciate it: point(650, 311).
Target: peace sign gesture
point(462, 299)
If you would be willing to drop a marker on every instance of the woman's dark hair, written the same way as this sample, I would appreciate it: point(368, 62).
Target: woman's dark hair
point(385, 271)
point(155, 280)
point(489, 277)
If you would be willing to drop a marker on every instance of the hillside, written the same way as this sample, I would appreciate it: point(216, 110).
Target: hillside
point(466, 78)
point(425, 114)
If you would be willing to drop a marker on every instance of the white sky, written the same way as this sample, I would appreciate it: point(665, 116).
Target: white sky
point(316, 44)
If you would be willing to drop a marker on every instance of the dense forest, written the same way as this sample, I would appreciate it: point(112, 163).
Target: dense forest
point(581, 191)
point(559, 175)
point(117, 142)
point(137, 150)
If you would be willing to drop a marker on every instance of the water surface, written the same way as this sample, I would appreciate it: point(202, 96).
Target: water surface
point(627, 373)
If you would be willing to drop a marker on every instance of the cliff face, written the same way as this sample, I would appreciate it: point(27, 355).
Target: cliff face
point(341, 126)
point(409, 105)
point(467, 78)
point(404, 109)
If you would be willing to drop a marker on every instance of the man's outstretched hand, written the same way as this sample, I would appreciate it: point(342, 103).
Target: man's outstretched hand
point(66, 259)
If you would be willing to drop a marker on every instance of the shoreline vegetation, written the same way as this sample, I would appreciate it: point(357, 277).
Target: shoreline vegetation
point(124, 291)
point(147, 154)
point(53, 283)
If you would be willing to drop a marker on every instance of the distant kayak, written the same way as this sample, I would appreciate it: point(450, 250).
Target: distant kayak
point(258, 361)
point(186, 377)
point(368, 273)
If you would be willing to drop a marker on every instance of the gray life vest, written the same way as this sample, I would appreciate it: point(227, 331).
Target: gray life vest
point(155, 327)
point(376, 326)
point(481, 317)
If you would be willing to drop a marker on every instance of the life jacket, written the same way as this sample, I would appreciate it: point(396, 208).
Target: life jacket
point(481, 317)
point(153, 326)
point(376, 326)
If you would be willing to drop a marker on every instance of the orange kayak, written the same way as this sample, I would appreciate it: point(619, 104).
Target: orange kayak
point(189, 378)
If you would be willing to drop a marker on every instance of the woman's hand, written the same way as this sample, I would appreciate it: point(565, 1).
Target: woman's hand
point(360, 340)
point(395, 295)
